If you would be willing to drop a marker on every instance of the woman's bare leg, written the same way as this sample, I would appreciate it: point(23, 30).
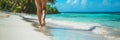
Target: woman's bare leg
point(44, 3)
point(39, 12)
point(44, 11)
point(43, 17)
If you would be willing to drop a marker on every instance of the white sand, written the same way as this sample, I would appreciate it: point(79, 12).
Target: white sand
point(14, 28)
point(2, 15)
point(95, 28)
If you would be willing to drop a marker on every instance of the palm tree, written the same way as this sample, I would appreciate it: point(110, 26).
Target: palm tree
point(15, 2)
point(5, 5)
point(52, 2)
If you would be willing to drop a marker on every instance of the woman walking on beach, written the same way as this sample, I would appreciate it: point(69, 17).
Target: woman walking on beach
point(41, 12)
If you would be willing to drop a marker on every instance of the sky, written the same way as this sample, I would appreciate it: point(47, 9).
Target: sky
point(88, 5)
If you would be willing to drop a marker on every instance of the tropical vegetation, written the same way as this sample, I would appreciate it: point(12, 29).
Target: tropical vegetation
point(25, 6)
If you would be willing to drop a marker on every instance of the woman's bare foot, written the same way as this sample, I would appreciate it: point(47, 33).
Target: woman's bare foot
point(46, 31)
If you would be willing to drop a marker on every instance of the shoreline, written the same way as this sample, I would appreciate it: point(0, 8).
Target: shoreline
point(15, 28)
point(95, 28)
point(57, 24)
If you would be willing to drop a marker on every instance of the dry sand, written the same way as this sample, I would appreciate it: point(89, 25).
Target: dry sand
point(14, 28)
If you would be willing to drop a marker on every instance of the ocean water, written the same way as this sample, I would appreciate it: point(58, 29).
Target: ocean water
point(106, 19)
point(110, 20)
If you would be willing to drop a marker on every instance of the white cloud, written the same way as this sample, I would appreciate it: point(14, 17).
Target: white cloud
point(105, 2)
point(68, 1)
point(75, 2)
point(72, 2)
point(83, 2)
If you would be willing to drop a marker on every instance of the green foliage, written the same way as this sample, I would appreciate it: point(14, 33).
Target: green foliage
point(17, 9)
point(52, 1)
point(51, 9)
point(27, 6)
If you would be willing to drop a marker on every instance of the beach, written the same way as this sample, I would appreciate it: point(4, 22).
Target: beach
point(59, 20)
point(94, 26)
point(23, 27)
point(15, 28)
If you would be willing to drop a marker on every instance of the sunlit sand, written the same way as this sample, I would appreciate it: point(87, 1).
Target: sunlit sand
point(14, 28)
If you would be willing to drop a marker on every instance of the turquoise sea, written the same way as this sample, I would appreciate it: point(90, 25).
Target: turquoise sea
point(111, 20)
point(107, 19)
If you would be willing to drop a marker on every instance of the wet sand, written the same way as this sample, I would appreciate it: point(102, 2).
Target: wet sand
point(93, 31)
point(23, 27)
point(15, 28)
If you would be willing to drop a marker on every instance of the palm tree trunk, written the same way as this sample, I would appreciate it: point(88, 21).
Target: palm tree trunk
point(15, 2)
point(27, 6)
point(5, 6)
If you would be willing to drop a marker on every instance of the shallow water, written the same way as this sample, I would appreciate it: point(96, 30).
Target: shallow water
point(61, 34)
point(107, 19)
point(110, 20)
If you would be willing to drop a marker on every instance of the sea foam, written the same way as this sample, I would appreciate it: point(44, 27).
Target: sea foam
point(68, 24)
point(93, 27)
